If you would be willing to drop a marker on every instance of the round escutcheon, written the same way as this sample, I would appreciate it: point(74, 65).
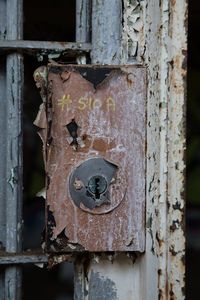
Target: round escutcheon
point(97, 186)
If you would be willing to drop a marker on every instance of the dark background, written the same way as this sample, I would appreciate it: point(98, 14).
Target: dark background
point(193, 155)
point(51, 21)
point(46, 21)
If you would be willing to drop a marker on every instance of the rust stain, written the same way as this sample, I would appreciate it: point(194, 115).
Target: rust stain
point(130, 79)
point(111, 123)
point(175, 225)
point(171, 292)
point(40, 77)
point(102, 145)
point(65, 76)
point(160, 241)
point(57, 259)
point(160, 294)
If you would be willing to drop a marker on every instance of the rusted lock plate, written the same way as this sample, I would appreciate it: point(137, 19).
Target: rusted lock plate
point(95, 158)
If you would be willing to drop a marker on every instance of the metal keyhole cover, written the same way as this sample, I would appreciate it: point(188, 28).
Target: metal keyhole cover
point(97, 185)
point(91, 185)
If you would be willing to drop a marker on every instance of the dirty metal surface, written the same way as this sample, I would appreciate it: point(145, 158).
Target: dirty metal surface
point(43, 47)
point(95, 113)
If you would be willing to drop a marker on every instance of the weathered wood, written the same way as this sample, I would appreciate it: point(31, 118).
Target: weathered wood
point(14, 96)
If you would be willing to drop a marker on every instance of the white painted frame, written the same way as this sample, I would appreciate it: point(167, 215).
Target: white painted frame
point(154, 34)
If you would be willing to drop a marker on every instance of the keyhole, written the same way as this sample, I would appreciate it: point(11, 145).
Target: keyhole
point(97, 185)
point(97, 194)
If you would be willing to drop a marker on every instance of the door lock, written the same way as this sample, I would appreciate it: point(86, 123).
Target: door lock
point(97, 185)
point(89, 183)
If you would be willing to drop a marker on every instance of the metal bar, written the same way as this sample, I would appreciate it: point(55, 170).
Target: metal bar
point(106, 31)
point(2, 151)
point(2, 19)
point(2, 164)
point(13, 283)
point(83, 24)
point(26, 46)
point(2, 143)
point(83, 20)
point(8, 259)
point(103, 276)
point(80, 280)
point(14, 168)
point(14, 152)
point(14, 96)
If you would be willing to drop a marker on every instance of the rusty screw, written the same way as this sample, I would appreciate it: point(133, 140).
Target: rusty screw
point(130, 78)
point(78, 184)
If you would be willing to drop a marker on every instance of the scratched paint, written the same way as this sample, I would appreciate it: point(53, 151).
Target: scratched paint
point(100, 282)
point(133, 33)
point(159, 43)
point(101, 273)
point(162, 47)
point(86, 103)
point(112, 126)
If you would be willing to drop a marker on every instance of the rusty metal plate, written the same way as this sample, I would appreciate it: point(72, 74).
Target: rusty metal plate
point(95, 114)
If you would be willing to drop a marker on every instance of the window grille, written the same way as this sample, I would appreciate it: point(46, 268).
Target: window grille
point(12, 50)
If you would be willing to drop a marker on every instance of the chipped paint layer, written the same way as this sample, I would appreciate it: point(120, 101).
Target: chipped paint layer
point(160, 43)
point(108, 116)
point(104, 273)
point(164, 54)
point(161, 46)
point(132, 34)
point(99, 282)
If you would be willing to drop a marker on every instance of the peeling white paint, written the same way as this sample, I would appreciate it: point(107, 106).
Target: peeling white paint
point(154, 33)
point(165, 38)
point(132, 34)
point(126, 286)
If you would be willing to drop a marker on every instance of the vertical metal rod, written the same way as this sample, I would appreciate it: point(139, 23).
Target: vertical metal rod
point(14, 97)
point(83, 9)
point(106, 278)
point(83, 22)
point(109, 278)
point(2, 165)
point(79, 280)
point(2, 143)
point(106, 31)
